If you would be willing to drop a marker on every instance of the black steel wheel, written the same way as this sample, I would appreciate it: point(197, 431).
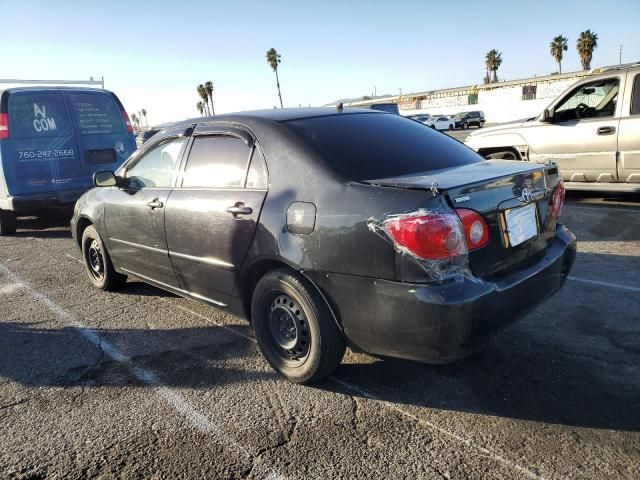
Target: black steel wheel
point(8, 222)
point(295, 329)
point(98, 263)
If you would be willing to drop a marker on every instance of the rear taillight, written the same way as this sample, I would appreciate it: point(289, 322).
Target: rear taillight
point(557, 200)
point(475, 228)
point(431, 236)
point(4, 126)
point(127, 122)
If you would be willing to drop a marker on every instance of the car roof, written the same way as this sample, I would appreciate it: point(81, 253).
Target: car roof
point(279, 115)
point(55, 89)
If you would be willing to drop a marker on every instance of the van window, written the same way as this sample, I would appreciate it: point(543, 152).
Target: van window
point(97, 113)
point(38, 115)
point(216, 162)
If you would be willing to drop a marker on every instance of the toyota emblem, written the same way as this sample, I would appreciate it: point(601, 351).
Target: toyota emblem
point(526, 195)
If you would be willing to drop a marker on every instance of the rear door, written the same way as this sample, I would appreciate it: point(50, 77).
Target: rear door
point(212, 214)
point(41, 154)
point(629, 137)
point(583, 135)
point(103, 138)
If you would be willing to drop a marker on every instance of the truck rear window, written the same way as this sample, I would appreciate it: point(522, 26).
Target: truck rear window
point(97, 113)
point(373, 146)
point(38, 114)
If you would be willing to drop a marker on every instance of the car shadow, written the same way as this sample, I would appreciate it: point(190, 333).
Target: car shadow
point(54, 226)
point(196, 358)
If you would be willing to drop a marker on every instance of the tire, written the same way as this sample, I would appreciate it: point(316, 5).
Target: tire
point(8, 222)
point(465, 126)
point(481, 124)
point(503, 155)
point(450, 127)
point(433, 126)
point(98, 263)
point(294, 327)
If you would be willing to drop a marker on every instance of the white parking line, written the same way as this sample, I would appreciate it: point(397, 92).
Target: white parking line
point(175, 400)
point(605, 284)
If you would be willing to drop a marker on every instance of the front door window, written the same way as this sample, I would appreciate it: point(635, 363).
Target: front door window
point(591, 100)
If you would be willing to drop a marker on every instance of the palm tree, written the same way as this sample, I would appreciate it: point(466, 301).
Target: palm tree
point(556, 48)
point(273, 59)
point(203, 95)
point(492, 61)
point(586, 43)
point(200, 107)
point(208, 87)
point(144, 114)
point(135, 120)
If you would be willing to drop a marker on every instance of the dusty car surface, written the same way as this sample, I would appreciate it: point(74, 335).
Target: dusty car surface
point(592, 131)
point(330, 228)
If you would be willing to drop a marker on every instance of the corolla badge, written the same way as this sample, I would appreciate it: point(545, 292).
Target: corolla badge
point(526, 195)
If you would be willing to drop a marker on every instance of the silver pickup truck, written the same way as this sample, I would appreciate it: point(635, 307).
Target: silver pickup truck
point(592, 131)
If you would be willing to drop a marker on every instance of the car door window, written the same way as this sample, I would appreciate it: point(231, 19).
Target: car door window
point(635, 98)
point(155, 168)
point(218, 161)
point(257, 174)
point(591, 100)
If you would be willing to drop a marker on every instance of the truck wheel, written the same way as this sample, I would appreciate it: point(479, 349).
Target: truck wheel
point(294, 327)
point(98, 263)
point(503, 155)
point(8, 222)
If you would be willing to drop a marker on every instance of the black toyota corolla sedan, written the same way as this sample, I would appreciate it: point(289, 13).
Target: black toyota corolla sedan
point(330, 228)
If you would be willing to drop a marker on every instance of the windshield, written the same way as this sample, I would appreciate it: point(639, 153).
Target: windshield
point(371, 146)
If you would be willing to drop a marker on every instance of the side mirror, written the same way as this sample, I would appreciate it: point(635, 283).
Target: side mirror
point(104, 179)
point(547, 115)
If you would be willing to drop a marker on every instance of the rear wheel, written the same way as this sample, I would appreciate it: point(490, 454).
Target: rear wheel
point(295, 328)
point(503, 155)
point(8, 222)
point(465, 126)
point(450, 127)
point(98, 263)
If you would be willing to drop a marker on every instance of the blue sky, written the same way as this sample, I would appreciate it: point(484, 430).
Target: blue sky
point(153, 54)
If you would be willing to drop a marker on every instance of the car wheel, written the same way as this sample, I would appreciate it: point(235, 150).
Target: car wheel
point(450, 127)
point(465, 126)
point(481, 124)
point(295, 329)
point(98, 263)
point(433, 126)
point(8, 222)
point(503, 155)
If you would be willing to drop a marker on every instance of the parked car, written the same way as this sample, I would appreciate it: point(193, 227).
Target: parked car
point(465, 120)
point(328, 228)
point(440, 123)
point(52, 140)
point(419, 118)
point(591, 131)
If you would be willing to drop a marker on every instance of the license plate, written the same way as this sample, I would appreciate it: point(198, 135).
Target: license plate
point(521, 224)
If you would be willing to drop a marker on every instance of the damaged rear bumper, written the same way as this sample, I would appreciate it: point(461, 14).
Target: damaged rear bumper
point(442, 323)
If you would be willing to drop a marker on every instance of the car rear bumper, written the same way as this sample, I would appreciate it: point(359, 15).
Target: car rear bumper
point(442, 323)
point(37, 201)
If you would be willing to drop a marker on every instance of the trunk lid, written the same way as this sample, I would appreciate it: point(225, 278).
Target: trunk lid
point(499, 191)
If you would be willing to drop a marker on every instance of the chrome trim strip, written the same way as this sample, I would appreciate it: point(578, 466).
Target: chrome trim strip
point(174, 289)
point(137, 245)
point(206, 260)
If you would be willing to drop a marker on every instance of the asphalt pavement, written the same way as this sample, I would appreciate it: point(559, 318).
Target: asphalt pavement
point(144, 384)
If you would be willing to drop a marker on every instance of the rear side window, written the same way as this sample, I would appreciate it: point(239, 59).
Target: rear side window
point(218, 161)
point(97, 113)
point(38, 115)
point(635, 98)
point(375, 146)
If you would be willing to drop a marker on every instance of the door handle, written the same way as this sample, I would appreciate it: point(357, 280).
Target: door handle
point(239, 209)
point(606, 130)
point(155, 203)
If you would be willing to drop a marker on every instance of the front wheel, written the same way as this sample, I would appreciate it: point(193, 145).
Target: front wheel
point(465, 126)
point(98, 263)
point(8, 222)
point(450, 127)
point(294, 327)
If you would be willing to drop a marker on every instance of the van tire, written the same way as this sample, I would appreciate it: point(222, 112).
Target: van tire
point(8, 222)
point(294, 327)
point(97, 262)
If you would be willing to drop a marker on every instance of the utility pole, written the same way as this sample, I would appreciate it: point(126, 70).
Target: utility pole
point(620, 54)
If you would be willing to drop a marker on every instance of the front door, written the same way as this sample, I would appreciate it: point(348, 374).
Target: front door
point(135, 213)
point(211, 216)
point(582, 136)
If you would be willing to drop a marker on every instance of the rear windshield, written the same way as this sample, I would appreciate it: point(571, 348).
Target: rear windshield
point(374, 146)
point(38, 115)
point(97, 113)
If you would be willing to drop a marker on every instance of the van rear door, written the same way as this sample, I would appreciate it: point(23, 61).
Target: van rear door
point(41, 154)
point(102, 133)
